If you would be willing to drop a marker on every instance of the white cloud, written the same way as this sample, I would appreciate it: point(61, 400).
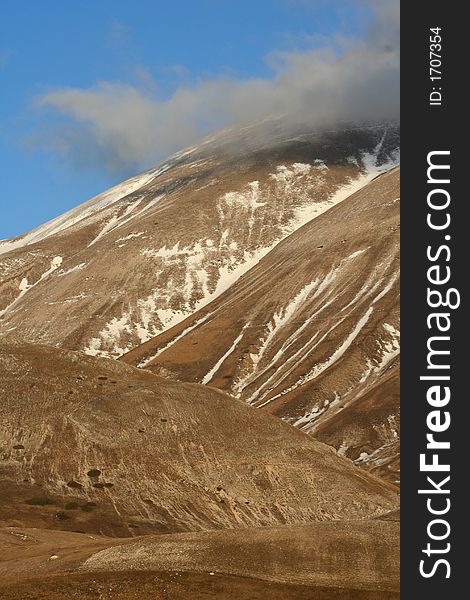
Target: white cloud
point(123, 127)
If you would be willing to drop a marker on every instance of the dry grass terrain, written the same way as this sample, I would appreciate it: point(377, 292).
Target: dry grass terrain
point(95, 445)
point(323, 561)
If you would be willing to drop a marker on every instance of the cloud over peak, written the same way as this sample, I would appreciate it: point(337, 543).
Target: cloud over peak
point(121, 127)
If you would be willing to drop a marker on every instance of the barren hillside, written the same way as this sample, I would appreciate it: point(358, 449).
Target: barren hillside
point(311, 333)
point(119, 269)
point(96, 445)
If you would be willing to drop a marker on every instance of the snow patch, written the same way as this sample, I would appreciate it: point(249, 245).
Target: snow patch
point(117, 221)
point(151, 357)
point(339, 352)
point(24, 286)
point(82, 212)
point(249, 199)
point(279, 320)
point(130, 236)
point(78, 267)
point(207, 378)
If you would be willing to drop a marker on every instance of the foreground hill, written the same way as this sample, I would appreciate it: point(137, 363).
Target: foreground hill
point(311, 333)
point(321, 561)
point(95, 445)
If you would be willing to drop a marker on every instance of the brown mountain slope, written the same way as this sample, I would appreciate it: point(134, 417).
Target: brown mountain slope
point(137, 259)
point(367, 430)
point(95, 445)
point(325, 561)
point(310, 331)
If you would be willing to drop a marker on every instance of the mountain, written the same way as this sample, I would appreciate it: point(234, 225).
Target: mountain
point(248, 263)
point(95, 445)
point(311, 333)
point(249, 289)
point(136, 260)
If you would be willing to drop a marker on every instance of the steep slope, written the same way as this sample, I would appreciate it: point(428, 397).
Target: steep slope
point(311, 332)
point(95, 445)
point(367, 429)
point(136, 260)
point(325, 561)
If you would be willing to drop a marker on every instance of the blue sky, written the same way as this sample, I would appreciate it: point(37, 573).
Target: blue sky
point(154, 47)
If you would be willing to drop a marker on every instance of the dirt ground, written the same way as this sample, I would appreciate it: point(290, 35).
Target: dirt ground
point(306, 563)
point(173, 586)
